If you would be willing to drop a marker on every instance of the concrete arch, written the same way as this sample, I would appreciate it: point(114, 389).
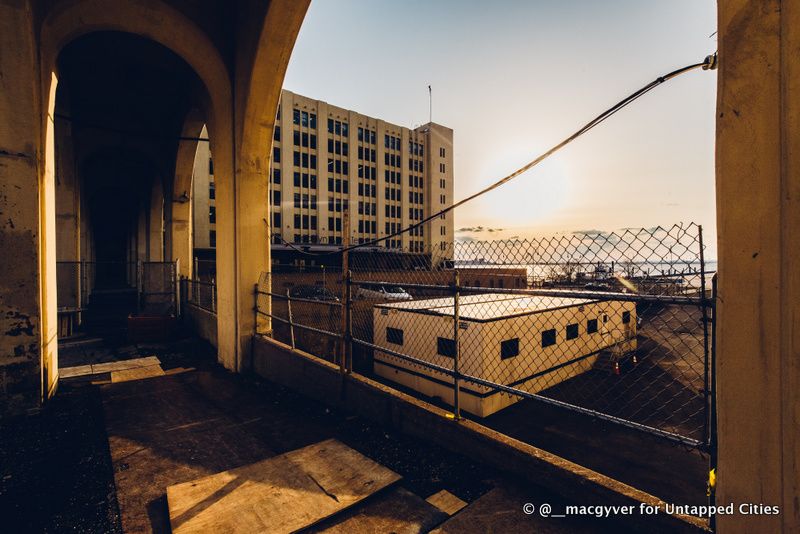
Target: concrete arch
point(180, 230)
point(152, 19)
point(157, 21)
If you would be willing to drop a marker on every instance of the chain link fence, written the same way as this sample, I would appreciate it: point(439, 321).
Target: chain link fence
point(614, 325)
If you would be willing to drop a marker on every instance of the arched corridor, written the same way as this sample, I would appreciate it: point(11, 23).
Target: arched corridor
point(102, 119)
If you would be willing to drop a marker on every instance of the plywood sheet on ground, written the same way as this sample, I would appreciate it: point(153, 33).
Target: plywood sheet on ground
point(108, 367)
point(397, 510)
point(121, 365)
point(446, 502)
point(137, 373)
point(501, 510)
point(280, 494)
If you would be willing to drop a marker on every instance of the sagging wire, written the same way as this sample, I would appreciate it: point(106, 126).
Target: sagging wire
point(709, 63)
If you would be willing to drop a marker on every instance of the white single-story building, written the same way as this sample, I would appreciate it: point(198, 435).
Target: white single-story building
point(527, 342)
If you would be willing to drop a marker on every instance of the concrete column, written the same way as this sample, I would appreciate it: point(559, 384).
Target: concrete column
point(155, 240)
point(181, 227)
point(758, 214)
point(227, 296)
point(68, 196)
point(28, 348)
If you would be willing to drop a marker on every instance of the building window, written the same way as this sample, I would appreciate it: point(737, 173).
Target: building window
point(212, 238)
point(394, 336)
point(276, 198)
point(572, 331)
point(296, 116)
point(212, 191)
point(277, 134)
point(276, 176)
point(446, 347)
point(441, 152)
point(591, 326)
point(212, 214)
point(210, 166)
point(441, 167)
point(276, 155)
point(626, 317)
point(509, 348)
point(548, 337)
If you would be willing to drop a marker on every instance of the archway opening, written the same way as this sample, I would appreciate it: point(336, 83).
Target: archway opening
point(121, 104)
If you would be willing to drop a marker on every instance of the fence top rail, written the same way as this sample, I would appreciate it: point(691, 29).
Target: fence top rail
point(569, 293)
point(298, 299)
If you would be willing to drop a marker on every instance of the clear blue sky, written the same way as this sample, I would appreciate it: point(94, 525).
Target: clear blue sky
point(513, 78)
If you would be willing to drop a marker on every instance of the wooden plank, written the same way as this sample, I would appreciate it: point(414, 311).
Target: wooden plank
point(446, 502)
point(137, 373)
point(78, 370)
point(121, 365)
point(397, 510)
point(280, 494)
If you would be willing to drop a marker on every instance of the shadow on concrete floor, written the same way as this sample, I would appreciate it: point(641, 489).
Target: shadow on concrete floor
point(55, 468)
point(99, 458)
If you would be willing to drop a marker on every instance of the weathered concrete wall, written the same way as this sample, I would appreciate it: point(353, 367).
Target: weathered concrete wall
point(21, 320)
point(758, 215)
point(322, 381)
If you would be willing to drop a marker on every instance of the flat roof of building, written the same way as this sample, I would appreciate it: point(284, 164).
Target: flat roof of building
point(487, 306)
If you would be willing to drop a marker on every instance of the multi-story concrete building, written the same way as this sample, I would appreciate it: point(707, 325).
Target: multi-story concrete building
point(328, 160)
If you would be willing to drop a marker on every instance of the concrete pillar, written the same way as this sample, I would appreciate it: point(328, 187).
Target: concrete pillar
point(155, 241)
point(758, 214)
point(227, 296)
point(28, 348)
point(68, 196)
point(181, 227)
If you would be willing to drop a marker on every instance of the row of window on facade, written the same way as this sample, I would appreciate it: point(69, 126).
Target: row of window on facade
point(304, 118)
point(367, 227)
point(366, 135)
point(307, 140)
point(366, 190)
point(392, 160)
point(510, 347)
point(341, 185)
point(392, 193)
point(367, 154)
point(337, 128)
point(305, 201)
point(367, 208)
point(391, 142)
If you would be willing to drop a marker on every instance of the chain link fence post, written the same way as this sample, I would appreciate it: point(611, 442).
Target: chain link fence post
point(291, 319)
point(457, 353)
point(348, 332)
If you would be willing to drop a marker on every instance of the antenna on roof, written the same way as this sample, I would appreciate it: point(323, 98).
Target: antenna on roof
point(430, 104)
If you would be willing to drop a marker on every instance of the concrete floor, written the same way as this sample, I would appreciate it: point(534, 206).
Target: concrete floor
point(108, 473)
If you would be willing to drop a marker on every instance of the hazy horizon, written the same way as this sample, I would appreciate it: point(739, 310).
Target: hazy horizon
point(514, 80)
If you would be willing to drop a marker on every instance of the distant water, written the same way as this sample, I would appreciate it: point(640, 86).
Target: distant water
point(688, 271)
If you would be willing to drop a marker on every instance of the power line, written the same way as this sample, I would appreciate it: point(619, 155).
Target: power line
point(709, 63)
